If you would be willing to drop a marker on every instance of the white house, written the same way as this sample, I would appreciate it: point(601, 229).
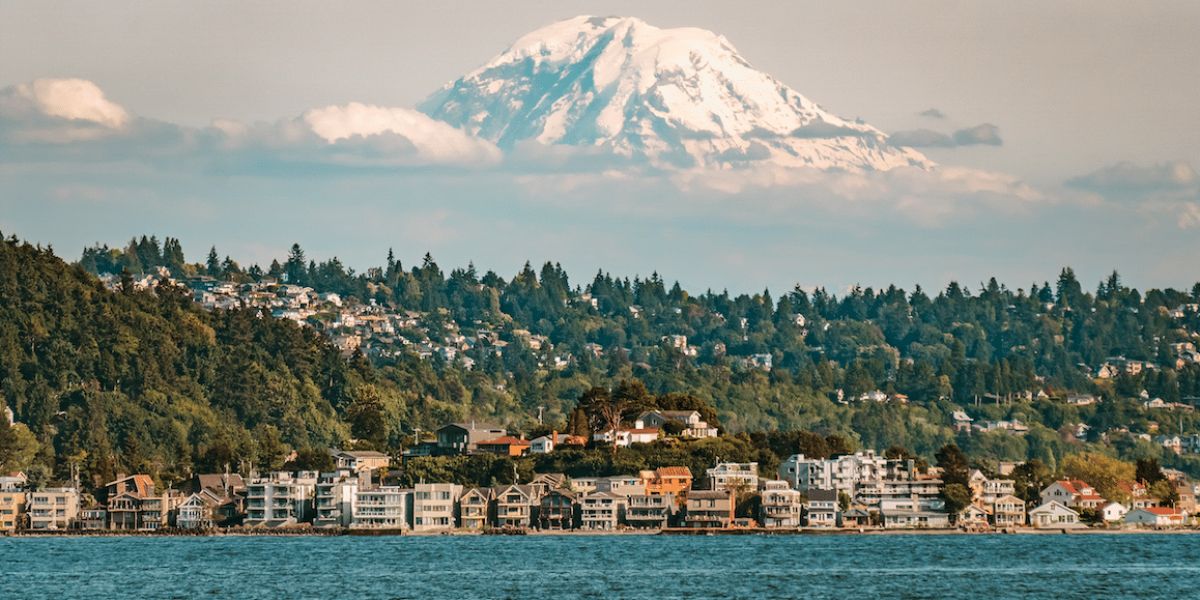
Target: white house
point(625, 437)
point(1072, 493)
point(1054, 515)
point(1113, 512)
point(542, 445)
point(1154, 516)
point(726, 476)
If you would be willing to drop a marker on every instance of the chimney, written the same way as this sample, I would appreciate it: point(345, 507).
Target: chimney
point(554, 437)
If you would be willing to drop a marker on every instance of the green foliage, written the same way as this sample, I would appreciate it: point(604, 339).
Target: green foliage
point(957, 497)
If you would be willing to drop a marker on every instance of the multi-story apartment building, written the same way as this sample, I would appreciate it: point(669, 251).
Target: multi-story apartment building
point(280, 499)
point(602, 511)
point(924, 493)
point(53, 508)
point(709, 509)
point(842, 473)
point(733, 476)
point(335, 496)
point(781, 505)
point(381, 507)
point(435, 506)
point(12, 509)
point(650, 511)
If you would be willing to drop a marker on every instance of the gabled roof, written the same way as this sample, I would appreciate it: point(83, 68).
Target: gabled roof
point(506, 440)
point(673, 472)
point(1161, 511)
point(820, 495)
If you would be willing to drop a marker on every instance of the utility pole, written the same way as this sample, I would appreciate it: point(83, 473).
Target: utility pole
point(540, 409)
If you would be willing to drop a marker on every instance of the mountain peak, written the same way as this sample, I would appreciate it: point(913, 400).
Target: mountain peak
point(678, 98)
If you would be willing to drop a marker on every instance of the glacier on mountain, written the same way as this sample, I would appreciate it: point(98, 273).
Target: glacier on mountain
point(675, 98)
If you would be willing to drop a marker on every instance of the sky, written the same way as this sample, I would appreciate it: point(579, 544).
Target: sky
point(1090, 157)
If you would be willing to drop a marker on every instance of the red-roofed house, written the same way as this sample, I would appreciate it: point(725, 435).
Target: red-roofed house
point(506, 445)
point(1154, 516)
point(1073, 493)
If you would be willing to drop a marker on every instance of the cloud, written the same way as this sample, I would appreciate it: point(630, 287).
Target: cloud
point(1124, 177)
point(932, 113)
point(58, 111)
point(984, 134)
point(432, 140)
point(1170, 188)
point(59, 119)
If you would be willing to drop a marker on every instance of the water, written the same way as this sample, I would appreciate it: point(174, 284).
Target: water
point(556, 567)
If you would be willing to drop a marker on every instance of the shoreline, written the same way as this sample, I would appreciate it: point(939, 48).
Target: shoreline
point(366, 533)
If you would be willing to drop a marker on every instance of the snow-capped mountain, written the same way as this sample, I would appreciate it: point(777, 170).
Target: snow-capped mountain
point(675, 97)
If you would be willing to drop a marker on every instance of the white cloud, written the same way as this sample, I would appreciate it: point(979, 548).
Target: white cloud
point(433, 141)
point(72, 99)
point(1125, 177)
point(58, 111)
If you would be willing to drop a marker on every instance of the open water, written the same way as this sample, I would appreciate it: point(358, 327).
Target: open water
point(993, 567)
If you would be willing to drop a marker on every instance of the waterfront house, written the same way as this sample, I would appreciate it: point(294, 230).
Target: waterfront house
point(198, 511)
point(435, 506)
point(1008, 511)
point(733, 476)
point(1073, 493)
point(52, 508)
point(280, 499)
point(910, 514)
point(781, 506)
point(709, 509)
point(1054, 515)
point(464, 438)
point(474, 508)
point(602, 511)
point(1154, 516)
point(974, 516)
point(650, 511)
point(856, 517)
point(380, 507)
point(132, 504)
point(822, 508)
point(515, 506)
point(1113, 512)
point(557, 510)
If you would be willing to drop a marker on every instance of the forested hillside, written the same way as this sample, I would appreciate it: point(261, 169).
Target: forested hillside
point(127, 380)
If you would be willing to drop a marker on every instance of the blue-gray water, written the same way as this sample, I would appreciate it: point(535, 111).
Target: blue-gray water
point(841, 566)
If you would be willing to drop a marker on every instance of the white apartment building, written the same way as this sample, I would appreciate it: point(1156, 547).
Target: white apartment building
point(732, 476)
point(841, 473)
point(435, 506)
point(336, 494)
point(280, 498)
point(602, 511)
point(382, 507)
